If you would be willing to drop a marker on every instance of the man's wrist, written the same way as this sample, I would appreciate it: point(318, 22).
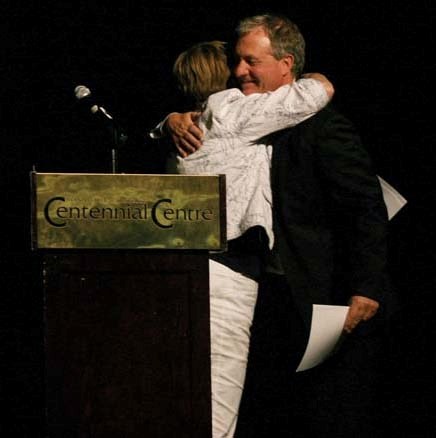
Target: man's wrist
point(160, 130)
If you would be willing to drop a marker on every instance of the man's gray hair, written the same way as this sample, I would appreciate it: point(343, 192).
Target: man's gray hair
point(285, 36)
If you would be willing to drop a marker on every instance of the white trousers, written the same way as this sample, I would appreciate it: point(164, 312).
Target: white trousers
point(232, 300)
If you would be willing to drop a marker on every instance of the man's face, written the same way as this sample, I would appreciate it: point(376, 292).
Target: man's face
point(256, 69)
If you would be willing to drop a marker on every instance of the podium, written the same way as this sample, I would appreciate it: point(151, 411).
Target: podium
point(125, 271)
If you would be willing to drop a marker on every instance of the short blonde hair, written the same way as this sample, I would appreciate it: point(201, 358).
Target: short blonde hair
point(202, 70)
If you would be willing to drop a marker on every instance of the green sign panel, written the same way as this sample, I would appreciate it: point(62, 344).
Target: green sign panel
point(129, 211)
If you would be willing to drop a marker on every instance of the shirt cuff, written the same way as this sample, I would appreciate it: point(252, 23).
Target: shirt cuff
point(158, 131)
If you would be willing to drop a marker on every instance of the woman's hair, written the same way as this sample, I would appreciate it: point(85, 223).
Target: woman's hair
point(202, 70)
point(285, 37)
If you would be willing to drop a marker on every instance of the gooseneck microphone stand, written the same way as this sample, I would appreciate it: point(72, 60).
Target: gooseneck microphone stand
point(119, 138)
point(116, 135)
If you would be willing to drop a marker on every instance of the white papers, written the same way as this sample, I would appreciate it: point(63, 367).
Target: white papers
point(393, 200)
point(325, 331)
point(328, 321)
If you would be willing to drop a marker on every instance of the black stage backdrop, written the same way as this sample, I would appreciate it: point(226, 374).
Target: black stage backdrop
point(380, 57)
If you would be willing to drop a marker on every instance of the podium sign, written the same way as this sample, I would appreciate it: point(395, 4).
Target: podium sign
point(128, 211)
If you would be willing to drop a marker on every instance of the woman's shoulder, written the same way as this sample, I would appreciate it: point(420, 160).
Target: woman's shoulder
point(229, 95)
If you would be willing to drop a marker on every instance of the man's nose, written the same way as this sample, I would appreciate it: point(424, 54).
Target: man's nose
point(240, 69)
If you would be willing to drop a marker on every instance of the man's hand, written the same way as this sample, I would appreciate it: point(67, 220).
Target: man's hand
point(186, 135)
point(361, 309)
point(324, 81)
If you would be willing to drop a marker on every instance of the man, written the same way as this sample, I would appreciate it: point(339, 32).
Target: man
point(329, 222)
point(233, 124)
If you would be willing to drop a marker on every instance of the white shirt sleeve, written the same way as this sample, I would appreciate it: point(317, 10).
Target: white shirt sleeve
point(259, 114)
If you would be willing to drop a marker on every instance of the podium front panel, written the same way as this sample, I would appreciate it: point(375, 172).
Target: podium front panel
point(127, 344)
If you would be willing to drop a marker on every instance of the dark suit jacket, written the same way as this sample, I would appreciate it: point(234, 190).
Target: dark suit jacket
point(330, 219)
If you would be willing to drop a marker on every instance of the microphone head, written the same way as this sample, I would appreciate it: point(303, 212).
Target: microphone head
point(81, 91)
point(83, 94)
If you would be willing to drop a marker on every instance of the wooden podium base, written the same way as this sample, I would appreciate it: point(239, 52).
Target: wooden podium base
point(127, 344)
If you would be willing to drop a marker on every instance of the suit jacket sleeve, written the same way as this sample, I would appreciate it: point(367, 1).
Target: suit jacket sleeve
point(355, 204)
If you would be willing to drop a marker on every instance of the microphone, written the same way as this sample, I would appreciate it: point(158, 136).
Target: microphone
point(86, 99)
point(83, 94)
point(118, 137)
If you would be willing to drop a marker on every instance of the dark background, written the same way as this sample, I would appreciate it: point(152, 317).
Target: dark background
point(379, 56)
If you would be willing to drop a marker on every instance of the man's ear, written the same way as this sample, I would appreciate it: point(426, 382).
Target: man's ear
point(287, 63)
